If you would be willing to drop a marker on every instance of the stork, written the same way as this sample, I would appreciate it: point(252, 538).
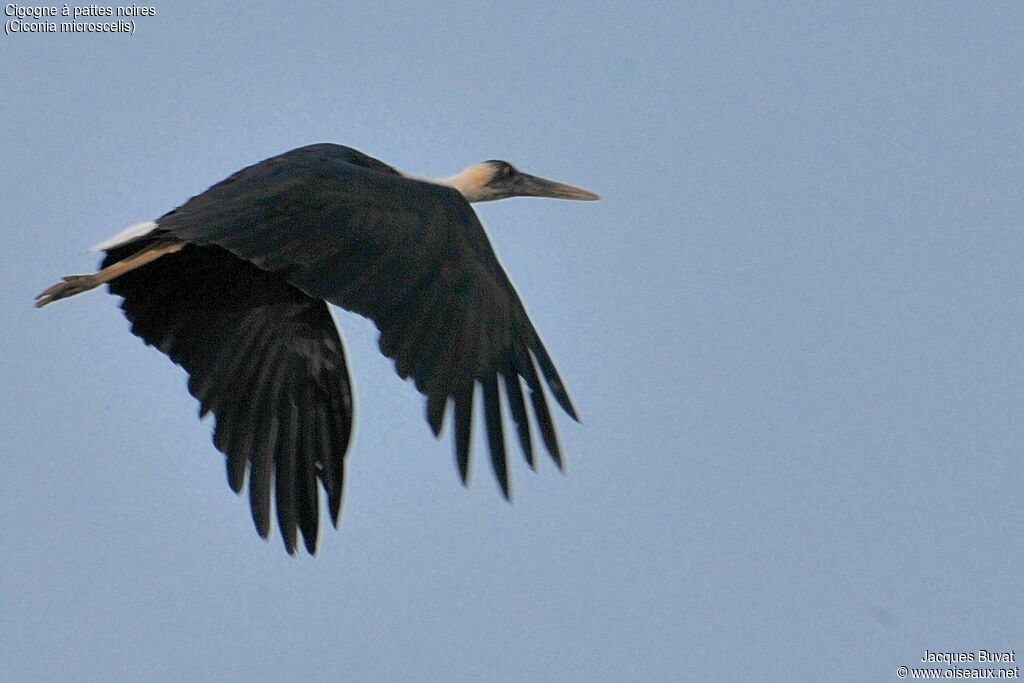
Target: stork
point(233, 286)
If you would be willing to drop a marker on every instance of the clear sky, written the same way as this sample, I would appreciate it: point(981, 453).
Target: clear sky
point(793, 329)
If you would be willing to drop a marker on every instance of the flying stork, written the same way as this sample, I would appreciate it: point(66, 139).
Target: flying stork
point(233, 286)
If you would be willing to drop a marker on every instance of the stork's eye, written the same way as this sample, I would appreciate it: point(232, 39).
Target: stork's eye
point(506, 170)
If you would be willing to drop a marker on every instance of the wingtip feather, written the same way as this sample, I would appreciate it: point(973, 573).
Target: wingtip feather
point(463, 431)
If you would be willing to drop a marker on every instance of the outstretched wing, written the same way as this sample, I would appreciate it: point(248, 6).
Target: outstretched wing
point(266, 360)
point(411, 256)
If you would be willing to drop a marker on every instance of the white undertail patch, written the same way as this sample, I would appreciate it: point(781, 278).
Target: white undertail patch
point(132, 232)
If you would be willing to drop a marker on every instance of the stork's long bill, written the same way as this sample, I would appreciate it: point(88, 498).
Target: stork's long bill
point(495, 179)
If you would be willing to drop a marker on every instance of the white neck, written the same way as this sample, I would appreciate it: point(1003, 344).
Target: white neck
point(469, 182)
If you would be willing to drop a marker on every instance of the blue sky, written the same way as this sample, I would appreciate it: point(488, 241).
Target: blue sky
point(792, 328)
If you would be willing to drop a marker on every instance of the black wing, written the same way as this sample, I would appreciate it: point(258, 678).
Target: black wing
point(411, 256)
point(266, 360)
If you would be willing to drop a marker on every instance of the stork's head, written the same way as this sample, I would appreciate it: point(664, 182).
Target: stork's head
point(495, 179)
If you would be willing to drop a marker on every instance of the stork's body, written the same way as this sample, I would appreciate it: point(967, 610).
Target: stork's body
point(233, 287)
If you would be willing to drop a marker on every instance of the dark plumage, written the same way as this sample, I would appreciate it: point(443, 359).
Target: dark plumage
point(232, 286)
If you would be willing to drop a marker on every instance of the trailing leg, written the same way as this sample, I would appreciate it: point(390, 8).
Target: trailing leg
point(76, 284)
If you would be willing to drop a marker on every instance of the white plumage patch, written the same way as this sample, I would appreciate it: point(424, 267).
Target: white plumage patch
point(133, 231)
